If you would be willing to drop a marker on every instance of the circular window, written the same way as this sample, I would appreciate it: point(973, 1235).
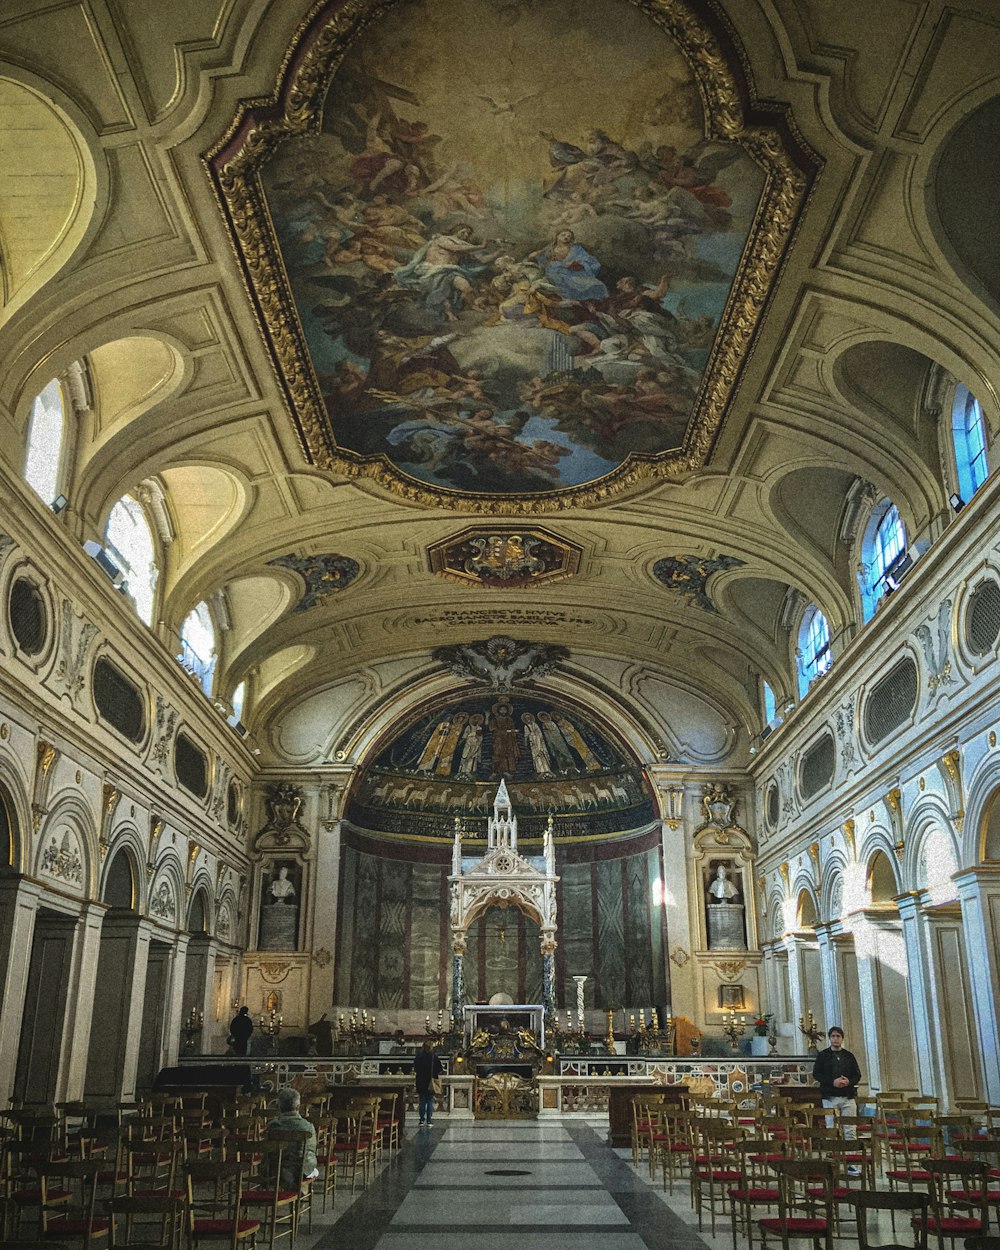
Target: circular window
point(771, 805)
point(28, 620)
point(982, 619)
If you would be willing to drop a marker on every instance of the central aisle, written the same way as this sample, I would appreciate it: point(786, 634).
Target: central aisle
point(510, 1185)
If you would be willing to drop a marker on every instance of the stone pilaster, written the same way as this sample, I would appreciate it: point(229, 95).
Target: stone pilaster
point(979, 895)
point(18, 908)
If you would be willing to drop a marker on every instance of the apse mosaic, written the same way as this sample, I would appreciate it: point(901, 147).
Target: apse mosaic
point(555, 761)
point(510, 237)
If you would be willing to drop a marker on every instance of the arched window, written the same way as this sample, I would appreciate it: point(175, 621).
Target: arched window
point(43, 458)
point(884, 540)
point(131, 542)
point(813, 650)
point(769, 702)
point(239, 695)
point(968, 434)
point(198, 646)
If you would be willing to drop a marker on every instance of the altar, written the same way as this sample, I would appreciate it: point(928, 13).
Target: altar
point(490, 1017)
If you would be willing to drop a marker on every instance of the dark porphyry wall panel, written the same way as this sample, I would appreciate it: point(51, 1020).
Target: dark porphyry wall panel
point(393, 950)
point(610, 952)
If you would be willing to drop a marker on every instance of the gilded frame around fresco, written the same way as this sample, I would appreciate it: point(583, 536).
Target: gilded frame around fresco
point(322, 41)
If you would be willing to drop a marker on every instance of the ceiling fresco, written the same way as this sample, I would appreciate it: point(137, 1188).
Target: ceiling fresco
point(555, 762)
point(498, 276)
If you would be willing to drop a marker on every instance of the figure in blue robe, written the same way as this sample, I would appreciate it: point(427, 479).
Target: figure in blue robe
point(570, 268)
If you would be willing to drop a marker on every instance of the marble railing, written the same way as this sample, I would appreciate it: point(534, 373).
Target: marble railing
point(571, 1084)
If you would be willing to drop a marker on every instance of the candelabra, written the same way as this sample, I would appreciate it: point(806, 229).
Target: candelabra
point(190, 1030)
point(567, 1037)
point(652, 1039)
point(358, 1029)
point(270, 1026)
point(609, 1041)
point(444, 1033)
point(734, 1027)
point(772, 1041)
point(807, 1027)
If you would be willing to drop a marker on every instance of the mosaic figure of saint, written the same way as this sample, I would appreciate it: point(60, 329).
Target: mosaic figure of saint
point(577, 741)
point(558, 749)
point(472, 747)
point(432, 749)
point(535, 742)
point(449, 744)
point(504, 731)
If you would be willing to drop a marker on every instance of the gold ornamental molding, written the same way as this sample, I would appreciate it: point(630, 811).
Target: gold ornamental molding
point(764, 131)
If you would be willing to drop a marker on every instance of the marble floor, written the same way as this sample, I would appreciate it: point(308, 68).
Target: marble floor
point(512, 1185)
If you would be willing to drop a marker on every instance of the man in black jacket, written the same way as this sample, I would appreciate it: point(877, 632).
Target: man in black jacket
point(838, 1074)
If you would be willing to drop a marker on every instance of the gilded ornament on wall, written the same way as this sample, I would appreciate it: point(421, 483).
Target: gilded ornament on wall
point(504, 559)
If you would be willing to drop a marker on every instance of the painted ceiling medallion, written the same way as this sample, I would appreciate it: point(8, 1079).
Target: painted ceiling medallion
point(498, 281)
point(504, 559)
point(688, 575)
point(323, 575)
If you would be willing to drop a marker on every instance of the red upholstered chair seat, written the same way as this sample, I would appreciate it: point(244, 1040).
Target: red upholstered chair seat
point(795, 1224)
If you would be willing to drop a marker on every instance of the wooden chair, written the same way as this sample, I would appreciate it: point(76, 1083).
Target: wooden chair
point(958, 1198)
point(294, 1140)
point(273, 1196)
point(756, 1187)
point(987, 1149)
point(712, 1172)
point(75, 1221)
point(161, 1215)
point(673, 1146)
point(326, 1157)
point(802, 1215)
point(213, 1195)
point(645, 1122)
point(914, 1204)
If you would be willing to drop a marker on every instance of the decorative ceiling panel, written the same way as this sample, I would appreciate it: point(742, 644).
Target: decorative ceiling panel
point(506, 258)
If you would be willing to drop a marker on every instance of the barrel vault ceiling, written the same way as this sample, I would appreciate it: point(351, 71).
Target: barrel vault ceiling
point(332, 568)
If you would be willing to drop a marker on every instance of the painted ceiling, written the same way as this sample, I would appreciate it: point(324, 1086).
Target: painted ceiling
point(350, 499)
point(513, 274)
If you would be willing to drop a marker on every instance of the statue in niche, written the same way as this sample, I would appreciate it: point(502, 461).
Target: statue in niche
point(721, 889)
point(279, 907)
point(724, 909)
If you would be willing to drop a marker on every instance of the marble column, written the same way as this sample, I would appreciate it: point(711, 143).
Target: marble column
point(80, 1004)
point(457, 983)
point(321, 924)
point(174, 1014)
point(119, 999)
point(885, 1005)
point(18, 908)
point(833, 1011)
point(796, 981)
point(979, 896)
point(681, 918)
point(549, 982)
point(925, 1032)
point(953, 1017)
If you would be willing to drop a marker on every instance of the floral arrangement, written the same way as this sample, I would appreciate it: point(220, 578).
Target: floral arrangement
point(762, 1025)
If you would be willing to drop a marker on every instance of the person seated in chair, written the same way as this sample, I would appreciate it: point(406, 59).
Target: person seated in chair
point(298, 1162)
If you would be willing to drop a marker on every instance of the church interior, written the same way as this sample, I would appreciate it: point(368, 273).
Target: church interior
point(614, 707)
